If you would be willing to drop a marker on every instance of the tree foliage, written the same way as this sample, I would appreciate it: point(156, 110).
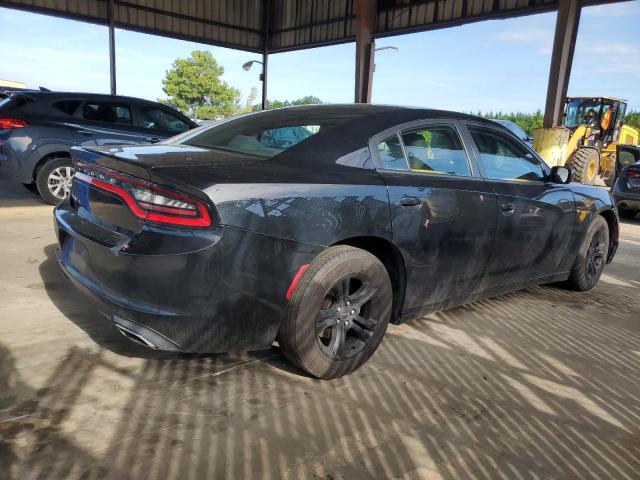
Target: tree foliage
point(530, 121)
point(194, 85)
point(632, 118)
point(307, 100)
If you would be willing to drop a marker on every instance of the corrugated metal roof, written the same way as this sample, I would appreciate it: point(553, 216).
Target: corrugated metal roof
point(292, 24)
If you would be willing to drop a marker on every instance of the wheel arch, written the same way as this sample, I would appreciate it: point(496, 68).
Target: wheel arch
point(46, 158)
point(612, 222)
point(392, 259)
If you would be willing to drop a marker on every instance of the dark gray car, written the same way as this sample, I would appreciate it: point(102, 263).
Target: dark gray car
point(626, 190)
point(38, 129)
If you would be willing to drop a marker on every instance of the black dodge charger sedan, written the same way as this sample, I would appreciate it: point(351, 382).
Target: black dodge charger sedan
point(315, 226)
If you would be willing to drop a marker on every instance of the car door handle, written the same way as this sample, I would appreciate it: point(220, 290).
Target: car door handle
point(409, 201)
point(507, 208)
point(152, 139)
point(86, 133)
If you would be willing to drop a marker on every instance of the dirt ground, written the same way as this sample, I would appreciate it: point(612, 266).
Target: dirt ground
point(543, 383)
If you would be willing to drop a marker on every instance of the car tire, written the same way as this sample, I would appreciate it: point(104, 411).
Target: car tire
point(322, 333)
point(592, 256)
point(55, 172)
point(626, 213)
point(584, 163)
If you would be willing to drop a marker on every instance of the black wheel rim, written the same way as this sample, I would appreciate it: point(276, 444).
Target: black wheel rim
point(345, 322)
point(595, 256)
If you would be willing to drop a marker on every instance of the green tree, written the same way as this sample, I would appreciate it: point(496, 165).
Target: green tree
point(194, 85)
point(307, 100)
point(632, 118)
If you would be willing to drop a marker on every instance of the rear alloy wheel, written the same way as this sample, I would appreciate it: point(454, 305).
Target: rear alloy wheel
point(54, 180)
point(338, 313)
point(592, 256)
point(584, 163)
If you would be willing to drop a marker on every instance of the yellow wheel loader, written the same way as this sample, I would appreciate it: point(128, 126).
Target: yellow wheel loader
point(588, 140)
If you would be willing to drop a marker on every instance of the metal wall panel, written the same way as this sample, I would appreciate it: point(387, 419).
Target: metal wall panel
point(292, 25)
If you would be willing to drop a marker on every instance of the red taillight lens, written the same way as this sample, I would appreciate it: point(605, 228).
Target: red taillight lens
point(11, 123)
point(146, 200)
point(633, 174)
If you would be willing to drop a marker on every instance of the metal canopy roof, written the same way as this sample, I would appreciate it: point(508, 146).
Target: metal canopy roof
point(287, 25)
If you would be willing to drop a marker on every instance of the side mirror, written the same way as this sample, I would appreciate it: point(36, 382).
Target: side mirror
point(561, 175)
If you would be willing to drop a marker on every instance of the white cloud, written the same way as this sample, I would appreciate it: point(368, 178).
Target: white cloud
point(539, 39)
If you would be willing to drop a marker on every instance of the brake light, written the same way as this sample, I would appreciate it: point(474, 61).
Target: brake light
point(11, 123)
point(146, 200)
point(633, 174)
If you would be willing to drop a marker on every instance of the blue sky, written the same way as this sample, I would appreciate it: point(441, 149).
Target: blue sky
point(494, 65)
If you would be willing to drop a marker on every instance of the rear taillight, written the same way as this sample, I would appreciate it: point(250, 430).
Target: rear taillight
point(11, 123)
point(633, 174)
point(146, 200)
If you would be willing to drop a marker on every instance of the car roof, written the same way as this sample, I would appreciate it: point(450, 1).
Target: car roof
point(81, 95)
point(371, 109)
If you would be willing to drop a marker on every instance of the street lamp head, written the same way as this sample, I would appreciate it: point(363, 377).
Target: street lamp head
point(389, 47)
point(247, 65)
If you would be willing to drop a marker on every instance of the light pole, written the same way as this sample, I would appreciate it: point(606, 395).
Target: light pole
point(388, 47)
point(247, 66)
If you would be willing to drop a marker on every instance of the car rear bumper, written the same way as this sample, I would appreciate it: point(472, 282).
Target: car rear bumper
point(626, 200)
point(229, 295)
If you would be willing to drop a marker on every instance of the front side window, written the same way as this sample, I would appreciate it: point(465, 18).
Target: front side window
point(503, 158)
point(159, 119)
point(435, 149)
point(107, 112)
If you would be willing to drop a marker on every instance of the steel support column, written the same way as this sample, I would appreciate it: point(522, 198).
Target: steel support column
point(112, 48)
point(265, 52)
point(366, 18)
point(564, 42)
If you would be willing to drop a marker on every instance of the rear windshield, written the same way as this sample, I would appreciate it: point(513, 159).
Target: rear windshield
point(11, 103)
point(264, 134)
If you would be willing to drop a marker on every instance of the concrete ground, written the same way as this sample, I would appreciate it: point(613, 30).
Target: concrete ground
point(543, 383)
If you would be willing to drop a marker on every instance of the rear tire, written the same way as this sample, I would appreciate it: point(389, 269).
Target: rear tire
point(584, 163)
point(591, 257)
point(53, 180)
point(338, 313)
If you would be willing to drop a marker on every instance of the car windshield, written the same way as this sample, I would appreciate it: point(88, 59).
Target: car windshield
point(263, 134)
point(581, 111)
point(515, 129)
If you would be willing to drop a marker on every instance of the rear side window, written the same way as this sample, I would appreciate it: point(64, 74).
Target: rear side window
point(391, 154)
point(160, 119)
point(503, 158)
point(11, 103)
point(435, 149)
point(67, 106)
point(107, 112)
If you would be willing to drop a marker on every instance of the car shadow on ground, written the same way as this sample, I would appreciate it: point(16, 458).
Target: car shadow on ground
point(17, 195)
point(535, 384)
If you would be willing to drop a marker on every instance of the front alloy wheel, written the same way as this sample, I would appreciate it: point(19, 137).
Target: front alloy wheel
point(338, 313)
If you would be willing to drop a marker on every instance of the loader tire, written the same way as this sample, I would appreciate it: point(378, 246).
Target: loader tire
point(584, 163)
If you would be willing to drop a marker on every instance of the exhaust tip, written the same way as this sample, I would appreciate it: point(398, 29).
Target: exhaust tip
point(145, 336)
point(134, 337)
